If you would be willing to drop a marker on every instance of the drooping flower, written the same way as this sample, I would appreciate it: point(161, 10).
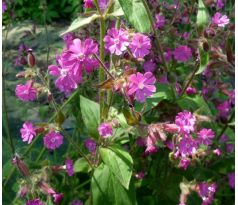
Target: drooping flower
point(205, 136)
point(220, 20)
point(35, 202)
point(224, 109)
point(69, 167)
point(231, 179)
point(187, 146)
point(53, 140)
point(76, 202)
point(105, 130)
point(149, 66)
point(88, 4)
point(90, 145)
point(160, 21)
point(182, 53)
point(140, 45)
point(27, 132)
point(185, 121)
point(151, 145)
point(141, 85)
point(57, 197)
point(68, 77)
point(26, 92)
point(116, 41)
point(79, 55)
point(207, 191)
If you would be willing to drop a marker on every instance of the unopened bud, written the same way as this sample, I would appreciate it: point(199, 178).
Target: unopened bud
point(31, 58)
point(20, 165)
point(205, 46)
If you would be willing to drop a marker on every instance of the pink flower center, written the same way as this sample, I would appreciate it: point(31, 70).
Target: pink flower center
point(63, 72)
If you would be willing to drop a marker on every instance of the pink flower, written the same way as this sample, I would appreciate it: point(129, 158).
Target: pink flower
point(27, 132)
point(142, 85)
point(230, 148)
point(187, 146)
point(76, 202)
point(224, 138)
point(88, 4)
point(217, 152)
point(68, 39)
point(103, 4)
point(105, 130)
point(35, 202)
point(219, 20)
point(53, 140)
point(140, 45)
point(182, 53)
point(26, 92)
point(205, 136)
point(90, 145)
point(185, 121)
point(116, 41)
point(231, 179)
point(68, 77)
point(149, 66)
point(206, 192)
point(168, 54)
point(57, 197)
point(79, 56)
point(69, 167)
point(140, 175)
point(4, 7)
point(184, 163)
point(224, 109)
point(151, 145)
point(220, 4)
point(191, 90)
point(160, 21)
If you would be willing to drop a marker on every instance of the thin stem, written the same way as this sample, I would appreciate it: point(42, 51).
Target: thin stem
point(190, 80)
point(103, 66)
point(155, 34)
point(68, 137)
point(5, 116)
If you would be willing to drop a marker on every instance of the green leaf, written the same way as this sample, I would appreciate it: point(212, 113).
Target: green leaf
point(136, 15)
point(106, 189)
point(204, 59)
point(120, 163)
point(195, 103)
point(81, 165)
point(91, 115)
point(202, 15)
point(79, 22)
point(116, 10)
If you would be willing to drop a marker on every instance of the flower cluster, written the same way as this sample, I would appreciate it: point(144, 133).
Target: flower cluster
point(117, 41)
point(76, 59)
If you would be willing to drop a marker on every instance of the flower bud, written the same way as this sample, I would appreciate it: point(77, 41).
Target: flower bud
point(205, 46)
point(31, 58)
point(20, 165)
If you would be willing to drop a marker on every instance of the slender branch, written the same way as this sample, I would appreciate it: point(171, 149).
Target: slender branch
point(155, 34)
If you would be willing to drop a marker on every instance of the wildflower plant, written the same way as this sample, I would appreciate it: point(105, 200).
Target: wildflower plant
point(142, 112)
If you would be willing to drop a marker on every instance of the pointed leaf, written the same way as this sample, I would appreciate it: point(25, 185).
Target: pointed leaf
point(204, 60)
point(79, 22)
point(135, 13)
point(91, 115)
point(120, 163)
point(106, 189)
point(202, 15)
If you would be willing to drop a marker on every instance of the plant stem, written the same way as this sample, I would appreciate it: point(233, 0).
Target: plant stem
point(47, 36)
point(155, 34)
